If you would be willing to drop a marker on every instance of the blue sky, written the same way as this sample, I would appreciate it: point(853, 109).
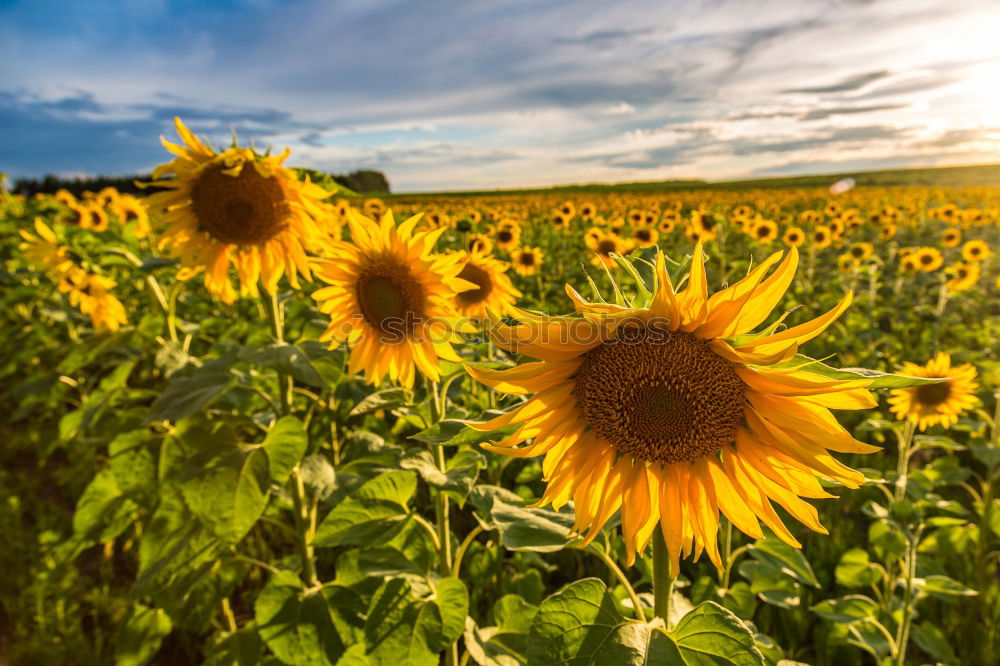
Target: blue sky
point(464, 95)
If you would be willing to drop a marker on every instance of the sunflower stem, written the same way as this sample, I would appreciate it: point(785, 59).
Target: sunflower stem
point(663, 578)
point(441, 508)
point(903, 463)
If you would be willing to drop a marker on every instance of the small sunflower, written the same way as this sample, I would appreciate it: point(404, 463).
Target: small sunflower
point(568, 210)
point(604, 246)
point(391, 298)
point(975, 250)
point(479, 243)
point(527, 260)
point(588, 211)
point(132, 211)
point(45, 251)
point(654, 412)
point(706, 224)
point(645, 237)
point(494, 293)
point(91, 294)
point(943, 402)
point(929, 259)
point(887, 231)
point(848, 263)
point(237, 208)
point(764, 231)
point(668, 223)
point(963, 276)
point(861, 251)
point(951, 238)
point(505, 236)
point(822, 237)
point(794, 237)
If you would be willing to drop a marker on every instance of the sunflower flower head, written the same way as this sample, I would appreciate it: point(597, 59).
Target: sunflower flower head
point(667, 409)
point(235, 209)
point(391, 298)
point(940, 403)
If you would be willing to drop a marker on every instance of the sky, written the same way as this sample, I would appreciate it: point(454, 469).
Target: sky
point(475, 94)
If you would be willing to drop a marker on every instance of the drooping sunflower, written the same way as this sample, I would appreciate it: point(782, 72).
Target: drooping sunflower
point(655, 412)
point(494, 293)
point(391, 298)
point(943, 402)
point(963, 276)
point(975, 250)
point(527, 260)
point(239, 208)
point(794, 237)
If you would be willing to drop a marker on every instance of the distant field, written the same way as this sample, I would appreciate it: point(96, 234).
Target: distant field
point(958, 176)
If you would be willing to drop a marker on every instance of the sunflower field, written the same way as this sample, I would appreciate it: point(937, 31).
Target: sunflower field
point(254, 418)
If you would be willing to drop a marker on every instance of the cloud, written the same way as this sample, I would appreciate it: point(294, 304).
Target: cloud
point(844, 85)
point(823, 114)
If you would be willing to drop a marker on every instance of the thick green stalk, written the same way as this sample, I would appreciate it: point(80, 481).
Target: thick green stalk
point(663, 578)
point(903, 462)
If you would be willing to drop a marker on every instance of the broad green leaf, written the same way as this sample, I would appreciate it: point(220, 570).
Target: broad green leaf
point(298, 624)
point(741, 599)
point(790, 560)
point(381, 400)
point(771, 584)
point(240, 648)
point(879, 380)
point(102, 512)
point(454, 433)
point(848, 609)
point(460, 476)
point(285, 445)
point(452, 600)
point(229, 495)
point(581, 624)
point(711, 635)
point(521, 527)
point(286, 359)
point(943, 587)
point(140, 635)
point(188, 395)
point(134, 466)
point(404, 630)
point(372, 512)
point(932, 640)
point(856, 570)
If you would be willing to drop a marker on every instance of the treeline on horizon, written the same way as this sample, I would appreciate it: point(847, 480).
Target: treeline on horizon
point(362, 181)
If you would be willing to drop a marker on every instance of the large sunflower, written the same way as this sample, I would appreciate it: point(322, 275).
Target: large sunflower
point(494, 292)
point(391, 298)
point(670, 413)
point(239, 208)
point(943, 402)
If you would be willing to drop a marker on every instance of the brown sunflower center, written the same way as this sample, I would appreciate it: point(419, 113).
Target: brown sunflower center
point(857, 251)
point(248, 209)
point(926, 259)
point(478, 277)
point(660, 397)
point(643, 235)
point(505, 236)
point(932, 395)
point(389, 297)
point(763, 232)
point(526, 259)
point(606, 247)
